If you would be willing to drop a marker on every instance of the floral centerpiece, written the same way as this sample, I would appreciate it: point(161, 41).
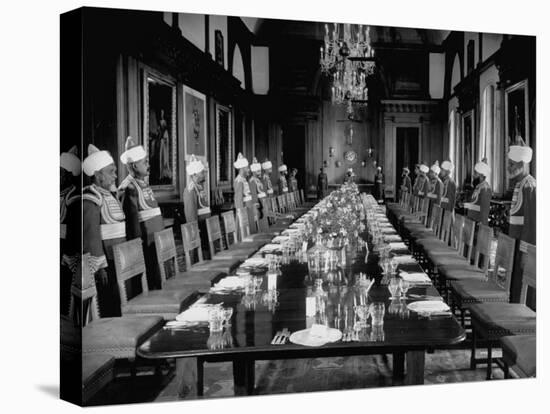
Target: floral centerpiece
point(340, 215)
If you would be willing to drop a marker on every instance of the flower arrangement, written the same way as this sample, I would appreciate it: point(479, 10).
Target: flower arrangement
point(340, 216)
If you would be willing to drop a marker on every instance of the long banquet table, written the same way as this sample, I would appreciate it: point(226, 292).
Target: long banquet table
point(405, 335)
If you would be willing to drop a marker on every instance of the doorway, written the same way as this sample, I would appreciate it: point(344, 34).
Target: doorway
point(294, 150)
point(406, 151)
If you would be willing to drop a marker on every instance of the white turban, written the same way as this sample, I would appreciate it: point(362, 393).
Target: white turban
point(255, 166)
point(70, 162)
point(447, 165)
point(282, 168)
point(519, 153)
point(435, 168)
point(482, 169)
point(96, 160)
point(424, 168)
point(266, 165)
point(133, 152)
point(241, 162)
point(194, 166)
point(406, 169)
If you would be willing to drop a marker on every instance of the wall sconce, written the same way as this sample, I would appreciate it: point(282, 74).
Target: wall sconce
point(338, 164)
point(363, 163)
point(370, 151)
point(325, 164)
point(331, 152)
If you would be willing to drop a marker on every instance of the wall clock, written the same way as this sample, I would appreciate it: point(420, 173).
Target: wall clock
point(350, 157)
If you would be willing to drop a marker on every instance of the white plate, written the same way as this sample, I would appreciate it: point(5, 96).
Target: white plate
point(428, 306)
point(303, 337)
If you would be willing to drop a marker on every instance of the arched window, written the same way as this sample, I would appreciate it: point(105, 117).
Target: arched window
point(454, 142)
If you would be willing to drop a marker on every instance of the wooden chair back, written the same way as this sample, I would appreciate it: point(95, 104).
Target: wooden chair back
point(445, 230)
point(167, 255)
point(302, 198)
point(423, 213)
point(529, 279)
point(282, 203)
point(504, 261)
point(83, 305)
point(274, 204)
point(129, 263)
point(435, 220)
point(214, 233)
point(191, 238)
point(456, 231)
point(467, 242)
point(230, 226)
point(268, 211)
point(482, 249)
point(244, 225)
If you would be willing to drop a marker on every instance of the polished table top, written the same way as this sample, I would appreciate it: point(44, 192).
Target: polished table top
point(255, 320)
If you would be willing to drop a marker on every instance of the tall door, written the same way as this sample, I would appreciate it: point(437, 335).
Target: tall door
point(406, 154)
point(294, 150)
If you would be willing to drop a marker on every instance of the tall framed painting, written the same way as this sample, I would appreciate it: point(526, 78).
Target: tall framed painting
point(224, 146)
point(194, 126)
point(516, 113)
point(160, 130)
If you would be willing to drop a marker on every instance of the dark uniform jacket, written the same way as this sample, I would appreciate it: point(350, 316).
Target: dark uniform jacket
point(478, 207)
point(449, 194)
point(523, 210)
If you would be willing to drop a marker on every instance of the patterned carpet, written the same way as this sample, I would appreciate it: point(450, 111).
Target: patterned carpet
point(295, 376)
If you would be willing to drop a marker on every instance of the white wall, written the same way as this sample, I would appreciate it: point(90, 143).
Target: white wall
point(490, 44)
point(238, 66)
point(437, 75)
point(455, 74)
point(260, 70)
point(192, 28)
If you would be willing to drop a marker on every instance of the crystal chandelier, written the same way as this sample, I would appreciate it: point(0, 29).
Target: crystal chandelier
point(349, 58)
point(349, 84)
point(353, 43)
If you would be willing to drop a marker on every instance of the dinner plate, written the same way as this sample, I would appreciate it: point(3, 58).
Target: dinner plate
point(303, 337)
point(428, 306)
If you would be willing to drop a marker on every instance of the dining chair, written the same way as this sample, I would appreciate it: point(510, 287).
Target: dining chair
point(492, 321)
point(117, 337)
point(235, 238)
point(130, 265)
point(172, 277)
point(215, 243)
point(244, 230)
point(496, 288)
point(194, 260)
point(519, 353)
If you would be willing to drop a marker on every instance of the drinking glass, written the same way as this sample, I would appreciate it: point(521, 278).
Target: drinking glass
point(394, 286)
point(405, 286)
point(377, 311)
point(227, 313)
point(215, 319)
point(362, 312)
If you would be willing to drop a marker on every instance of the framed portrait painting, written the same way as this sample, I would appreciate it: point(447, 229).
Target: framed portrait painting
point(159, 130)
point(516, 109)
point(224, 146)
point(194, 126)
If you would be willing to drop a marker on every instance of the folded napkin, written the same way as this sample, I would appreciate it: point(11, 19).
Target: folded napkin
point(196, 313)
point(279, 239)
point(297, 226)
point(270, 247)
point(428, 307)
point(406, 258)
point(231, 282)
point(388, 230)
point(392, 238)
point(398, 245)
point(415, 278)
point(290, 231)
point(255, 262)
